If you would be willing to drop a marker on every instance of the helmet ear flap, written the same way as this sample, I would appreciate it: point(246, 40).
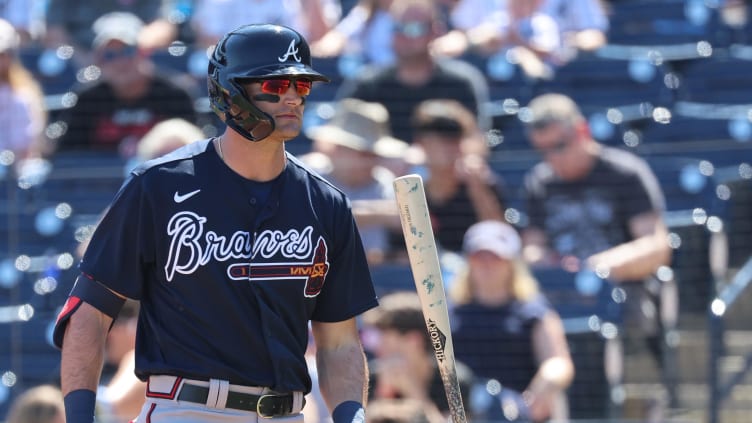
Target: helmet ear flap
point(236, 110)
point(249, 120)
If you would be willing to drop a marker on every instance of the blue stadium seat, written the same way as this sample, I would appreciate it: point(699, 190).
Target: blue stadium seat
point(391, 277)
point(686, 182)
point(690, 261)
point(578, 295)
point(666, 21)
point(716, 80)
point(733, 205)
point(55, 73)
point(597, 82)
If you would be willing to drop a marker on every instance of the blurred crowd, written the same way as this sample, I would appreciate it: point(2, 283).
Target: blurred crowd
point(409, 102)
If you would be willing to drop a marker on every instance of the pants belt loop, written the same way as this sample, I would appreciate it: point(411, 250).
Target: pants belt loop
point(297, 402)
point(224, 390)
point(213, 395)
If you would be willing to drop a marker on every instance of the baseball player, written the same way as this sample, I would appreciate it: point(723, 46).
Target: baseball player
point(232, 247)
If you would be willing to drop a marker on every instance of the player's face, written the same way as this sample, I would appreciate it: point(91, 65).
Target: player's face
point(288, 111)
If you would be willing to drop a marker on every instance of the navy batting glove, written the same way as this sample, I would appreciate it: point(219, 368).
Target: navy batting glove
point(349, 412)
point(79, 406)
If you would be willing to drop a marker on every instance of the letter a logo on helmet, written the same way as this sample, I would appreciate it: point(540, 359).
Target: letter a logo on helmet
point(291, 51)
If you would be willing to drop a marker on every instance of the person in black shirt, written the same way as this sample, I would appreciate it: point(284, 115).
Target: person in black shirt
point(417, 75)
point(461, 188)
point(595, 208)
point(117, 108)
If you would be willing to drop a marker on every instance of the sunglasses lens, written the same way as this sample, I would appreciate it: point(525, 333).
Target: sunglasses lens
point(114, 54)
point(275, 86)
point(280, 86)
point(413, 29)
point(303, 86)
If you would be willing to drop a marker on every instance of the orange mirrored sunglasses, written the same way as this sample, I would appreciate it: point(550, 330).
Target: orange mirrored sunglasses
point(280, 86)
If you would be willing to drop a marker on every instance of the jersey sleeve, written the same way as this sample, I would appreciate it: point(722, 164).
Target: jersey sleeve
point(348, 290)
point(645, 193)
point(123, 243)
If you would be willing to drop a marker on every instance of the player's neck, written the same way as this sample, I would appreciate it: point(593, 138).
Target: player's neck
point(258, 161)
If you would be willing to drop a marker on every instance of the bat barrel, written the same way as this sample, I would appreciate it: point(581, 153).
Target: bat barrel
point(424, 263)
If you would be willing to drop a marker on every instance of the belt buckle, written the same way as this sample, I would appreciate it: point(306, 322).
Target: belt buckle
point(273, 409)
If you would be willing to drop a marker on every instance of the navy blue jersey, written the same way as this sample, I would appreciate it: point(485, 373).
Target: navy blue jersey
point(228, 282)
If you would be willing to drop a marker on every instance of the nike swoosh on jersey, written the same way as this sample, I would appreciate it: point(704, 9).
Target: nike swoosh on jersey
point(179, 198)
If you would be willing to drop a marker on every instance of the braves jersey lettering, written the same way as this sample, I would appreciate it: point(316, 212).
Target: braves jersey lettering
point(190, 248)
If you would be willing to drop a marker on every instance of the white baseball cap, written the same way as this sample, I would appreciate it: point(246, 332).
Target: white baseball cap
point(120, 26)
point(491, 235)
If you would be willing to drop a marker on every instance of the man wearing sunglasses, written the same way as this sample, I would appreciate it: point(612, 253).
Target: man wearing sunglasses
point(599, 209)
point(418, 75)
point(126, 94)
point(233, 248)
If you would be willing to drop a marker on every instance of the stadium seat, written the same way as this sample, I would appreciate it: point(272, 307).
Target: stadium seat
point(392, 277)
point(667, 21)
point(54, 72)
point(716, 80)
point(733, 205)
point(598, 82)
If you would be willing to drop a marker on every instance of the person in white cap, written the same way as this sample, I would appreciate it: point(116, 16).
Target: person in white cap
point(504, 329)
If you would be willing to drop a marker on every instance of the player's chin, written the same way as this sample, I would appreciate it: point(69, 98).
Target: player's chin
point(289, 130)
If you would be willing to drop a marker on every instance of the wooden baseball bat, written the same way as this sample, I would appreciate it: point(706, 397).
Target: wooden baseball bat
point(424, 262)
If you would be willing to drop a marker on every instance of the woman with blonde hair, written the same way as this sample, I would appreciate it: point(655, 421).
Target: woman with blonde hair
point(505, 330)
point(23, 114)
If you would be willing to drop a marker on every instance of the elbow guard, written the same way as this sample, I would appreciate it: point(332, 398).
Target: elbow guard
point(90, 291)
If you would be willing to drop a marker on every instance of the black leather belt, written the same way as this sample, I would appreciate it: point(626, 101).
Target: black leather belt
point(269, 405)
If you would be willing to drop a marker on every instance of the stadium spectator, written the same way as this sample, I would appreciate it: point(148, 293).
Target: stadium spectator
point(461, 189)
point(521, 28)
point(505, 330)
point(542, 34)
point(167, 136)
point(404, 366)
point(40, 404)
point(417, 75)
point(20, 14)
point(365, 33)
point(73, 22)
point(349, 148)
point(113, 112)
point(596, 208)
point(312, 18)
point(22, 110)
point(583, 25)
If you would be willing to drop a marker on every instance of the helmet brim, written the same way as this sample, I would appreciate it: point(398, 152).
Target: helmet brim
point(289, 70)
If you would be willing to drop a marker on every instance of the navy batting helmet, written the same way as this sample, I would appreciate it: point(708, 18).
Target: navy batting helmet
point(251, 52)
